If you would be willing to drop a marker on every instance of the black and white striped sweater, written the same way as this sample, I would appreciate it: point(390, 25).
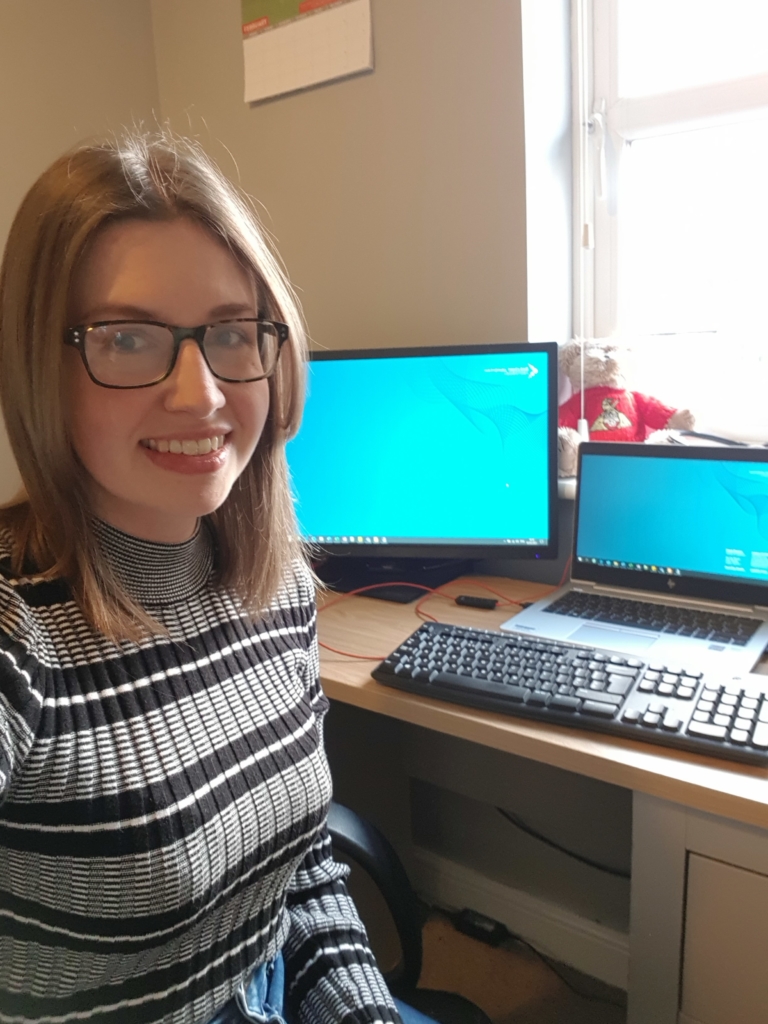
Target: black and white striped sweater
point(162, 826)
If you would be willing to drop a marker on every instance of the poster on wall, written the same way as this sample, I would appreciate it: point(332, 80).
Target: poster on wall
point(295, 44)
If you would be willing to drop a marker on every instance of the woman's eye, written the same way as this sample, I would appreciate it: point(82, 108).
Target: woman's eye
point(227, 337)
point(123, 342)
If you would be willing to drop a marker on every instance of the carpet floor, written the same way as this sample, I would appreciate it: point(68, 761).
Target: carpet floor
point(511, 983)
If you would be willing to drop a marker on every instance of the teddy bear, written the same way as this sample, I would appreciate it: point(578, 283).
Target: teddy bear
point(612, 412)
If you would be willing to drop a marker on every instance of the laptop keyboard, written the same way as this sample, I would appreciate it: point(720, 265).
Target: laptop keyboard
point(660, 618)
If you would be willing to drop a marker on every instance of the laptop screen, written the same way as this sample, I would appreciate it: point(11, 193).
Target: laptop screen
point(700, 513)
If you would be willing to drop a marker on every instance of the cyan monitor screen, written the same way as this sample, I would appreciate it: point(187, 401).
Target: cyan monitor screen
point(678, 516)
point(446, 449)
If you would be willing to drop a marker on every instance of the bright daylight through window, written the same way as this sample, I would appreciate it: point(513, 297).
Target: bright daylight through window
point(672, 198)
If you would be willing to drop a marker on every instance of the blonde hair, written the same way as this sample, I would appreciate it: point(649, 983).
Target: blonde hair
point(146, 177)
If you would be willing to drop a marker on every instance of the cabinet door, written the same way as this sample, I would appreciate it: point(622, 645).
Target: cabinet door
point(725, 952)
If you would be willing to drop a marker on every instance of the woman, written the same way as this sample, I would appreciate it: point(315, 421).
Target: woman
point(163, 851)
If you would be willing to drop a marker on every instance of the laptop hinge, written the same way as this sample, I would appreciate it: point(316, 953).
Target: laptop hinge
point(706, 604)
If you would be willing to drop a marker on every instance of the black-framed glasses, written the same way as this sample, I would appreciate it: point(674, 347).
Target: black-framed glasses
point(139, 353)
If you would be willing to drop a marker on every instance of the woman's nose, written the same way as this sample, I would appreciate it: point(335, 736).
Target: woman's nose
point(192, 387)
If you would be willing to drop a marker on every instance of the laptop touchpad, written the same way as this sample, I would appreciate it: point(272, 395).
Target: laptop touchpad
point(623, 639)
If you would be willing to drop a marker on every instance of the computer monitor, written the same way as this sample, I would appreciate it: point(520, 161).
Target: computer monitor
point(429, 453)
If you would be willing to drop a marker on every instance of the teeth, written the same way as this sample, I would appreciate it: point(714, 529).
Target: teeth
point(201, 447)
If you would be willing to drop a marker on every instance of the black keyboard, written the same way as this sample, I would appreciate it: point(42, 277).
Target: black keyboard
point(584, 687)
point(661, 618)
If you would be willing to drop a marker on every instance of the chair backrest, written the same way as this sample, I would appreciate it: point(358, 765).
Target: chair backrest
point(362, 843)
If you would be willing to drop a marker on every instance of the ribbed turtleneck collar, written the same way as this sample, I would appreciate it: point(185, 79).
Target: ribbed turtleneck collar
point(154, 573)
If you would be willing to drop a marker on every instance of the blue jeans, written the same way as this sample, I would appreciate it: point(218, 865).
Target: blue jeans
point(260, 999)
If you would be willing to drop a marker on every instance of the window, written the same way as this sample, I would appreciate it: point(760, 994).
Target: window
point(672, 198)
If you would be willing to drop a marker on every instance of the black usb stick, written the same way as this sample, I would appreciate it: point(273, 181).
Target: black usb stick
point(476, 602)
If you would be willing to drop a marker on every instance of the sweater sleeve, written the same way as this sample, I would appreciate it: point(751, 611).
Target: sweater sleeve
point(331, 972)
point(20, 700)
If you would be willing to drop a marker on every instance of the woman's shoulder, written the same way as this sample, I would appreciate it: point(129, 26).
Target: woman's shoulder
point(24, 594)
point(297, 586)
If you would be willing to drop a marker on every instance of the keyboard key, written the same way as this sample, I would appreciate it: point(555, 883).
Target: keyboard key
point(705, 705)
point(760, 736)
point(564, 703)
point(671, 723)
point(763, 715)
point(647, 686)
point(618, 684)
point(729, 698)
point(631, 715)
point(750, 703)
point(538, 697)
point(650, 719)
point(685, 692)
point(700, 716)
point(713, 732)
point(605, 698)
point(722, 719)
point(665, 689)
point(593, 707)
point(739, 736)
point(623, 670)
point(656, 707)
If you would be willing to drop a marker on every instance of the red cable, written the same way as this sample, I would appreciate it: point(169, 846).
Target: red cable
point(565, 572)
point(431, 592)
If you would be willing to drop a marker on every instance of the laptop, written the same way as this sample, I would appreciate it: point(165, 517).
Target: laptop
point(670, 557)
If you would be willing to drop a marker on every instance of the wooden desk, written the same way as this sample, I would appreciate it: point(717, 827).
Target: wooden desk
point(683, 803)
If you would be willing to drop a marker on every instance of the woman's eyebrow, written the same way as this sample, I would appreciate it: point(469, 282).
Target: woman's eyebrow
point(129, 312)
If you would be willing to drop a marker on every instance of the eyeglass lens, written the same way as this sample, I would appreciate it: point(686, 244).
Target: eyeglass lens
point(131, 354)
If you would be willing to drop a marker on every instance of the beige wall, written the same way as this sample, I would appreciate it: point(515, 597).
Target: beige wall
point(68, 70)
point(397, 199)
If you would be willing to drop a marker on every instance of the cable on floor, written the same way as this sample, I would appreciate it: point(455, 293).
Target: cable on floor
point(480, 927)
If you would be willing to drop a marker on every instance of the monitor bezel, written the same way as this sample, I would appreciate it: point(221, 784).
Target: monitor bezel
point(724, 590)
point(437, 550)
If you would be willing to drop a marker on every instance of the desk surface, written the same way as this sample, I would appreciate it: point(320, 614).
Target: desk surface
point(370, 627)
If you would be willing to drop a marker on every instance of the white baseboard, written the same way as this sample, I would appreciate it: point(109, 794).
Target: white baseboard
point(592, 948)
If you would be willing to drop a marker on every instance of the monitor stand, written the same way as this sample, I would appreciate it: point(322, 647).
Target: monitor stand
point(350, 573)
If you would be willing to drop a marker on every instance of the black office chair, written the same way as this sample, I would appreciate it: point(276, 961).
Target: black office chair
point(362, 843)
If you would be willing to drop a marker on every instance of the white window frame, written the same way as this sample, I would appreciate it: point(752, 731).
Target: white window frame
point(603, 124)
